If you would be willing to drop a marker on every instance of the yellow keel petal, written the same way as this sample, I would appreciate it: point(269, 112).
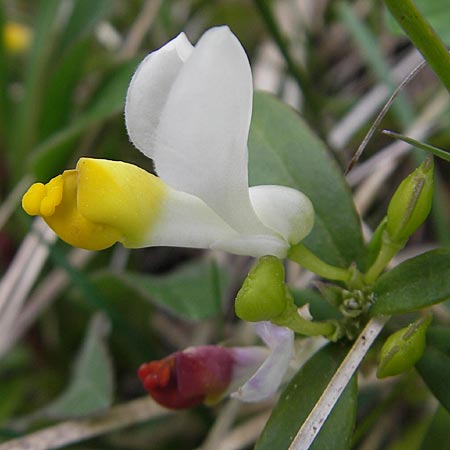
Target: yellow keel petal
point(99, 203)
point(122, 195)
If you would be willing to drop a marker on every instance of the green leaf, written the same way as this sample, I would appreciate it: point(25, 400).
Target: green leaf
point(443, 154)
point(299, 398)
point(110, 98)
point(4, 75)
point(60, 94)
point(437, 12)
point(320, 309)
point(439, 337)
point(85, 15)
point(14, 393)
point(51, 155)
point(90, 389)
point(193, 291)
point(434, 368)
point(37, 64)
point(283, 150)
point(438, 434)
point(416, 283)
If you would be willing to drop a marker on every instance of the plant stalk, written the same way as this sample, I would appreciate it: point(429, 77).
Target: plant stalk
point(303, 256)
point(423, 36)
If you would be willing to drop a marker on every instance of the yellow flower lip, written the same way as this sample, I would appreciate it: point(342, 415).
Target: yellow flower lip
point(42, 199)
point(98, 204)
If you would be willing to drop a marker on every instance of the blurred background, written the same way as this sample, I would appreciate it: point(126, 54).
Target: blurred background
point(75, 325)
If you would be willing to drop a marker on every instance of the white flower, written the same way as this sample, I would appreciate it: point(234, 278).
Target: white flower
point(189, 109)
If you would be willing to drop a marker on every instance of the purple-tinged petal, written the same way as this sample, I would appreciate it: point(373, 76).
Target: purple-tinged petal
point(270, 374)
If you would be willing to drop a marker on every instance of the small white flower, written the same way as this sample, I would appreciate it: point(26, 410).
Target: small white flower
point(189, 109)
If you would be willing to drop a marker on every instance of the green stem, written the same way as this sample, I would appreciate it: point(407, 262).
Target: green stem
point(388, 250)
point(301, 255)
point(422, 36)
point(292, 319)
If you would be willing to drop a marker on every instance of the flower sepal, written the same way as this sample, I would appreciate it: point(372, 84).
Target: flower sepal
point(262, 295)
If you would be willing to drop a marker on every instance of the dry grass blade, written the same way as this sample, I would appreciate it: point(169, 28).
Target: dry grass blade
point(319, 414)
point(72, 431)
point(139, 29)
point(22, 272)
point(381, 115)
point(369, 104)
point(10, 203)
point(43, 295)
point(244, 435)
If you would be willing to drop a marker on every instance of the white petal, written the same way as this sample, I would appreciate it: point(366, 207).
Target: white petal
point(285, 210)
point(253, 245)
point(186, 221)
point(149, 89)
point(269, 376)
point(202, 136)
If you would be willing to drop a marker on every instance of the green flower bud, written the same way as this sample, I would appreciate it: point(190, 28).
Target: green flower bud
point(411, 203)
point(262, 295)
point(403, 348)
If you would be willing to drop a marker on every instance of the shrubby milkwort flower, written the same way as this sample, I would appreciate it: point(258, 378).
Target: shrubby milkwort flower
point(189, 109)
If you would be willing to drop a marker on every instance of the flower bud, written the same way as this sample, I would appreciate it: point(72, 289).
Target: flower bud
point(190, 377)
point(262, 295)
point(205, 374)
point(403, 348)
point(411, 202)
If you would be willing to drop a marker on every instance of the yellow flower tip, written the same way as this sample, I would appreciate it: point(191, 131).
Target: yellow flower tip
point(16, 37)
point(31, 201)
point(42, 199)
point(98, 204)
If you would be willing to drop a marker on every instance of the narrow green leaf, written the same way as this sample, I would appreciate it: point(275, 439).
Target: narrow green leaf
point(59, 99)
point(110, 98)
point(438, 434)
point(283, 150)
point(416, 283)
point(90, 389)
point(53, 153)
point(437, 12)
point(193, 291)
point(299, 398)
point(14, 393)
point(85, 15)
point(434, 368)
point(37, 64)
point(445, 155)
point(4, 72)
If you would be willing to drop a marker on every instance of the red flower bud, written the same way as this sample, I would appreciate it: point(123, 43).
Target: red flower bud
point(190, 377)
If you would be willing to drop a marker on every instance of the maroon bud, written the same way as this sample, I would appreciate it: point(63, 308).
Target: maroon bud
point(189, 378)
